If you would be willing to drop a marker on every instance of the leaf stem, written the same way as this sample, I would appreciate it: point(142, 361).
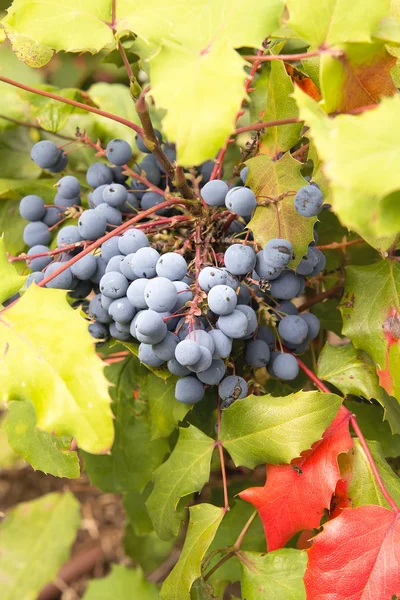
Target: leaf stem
point(312, 376)
point(232, 550)
point(338, 245)
point(299, 56)
point(35, 126)
point(91, 109)
point(265, 125)
point(377, 475)
point(322, 296)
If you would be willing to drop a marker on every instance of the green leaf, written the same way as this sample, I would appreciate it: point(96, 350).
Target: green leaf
point(35, 540)
point(52, 114)
point(355, 148)
point(329, 315)
point(165, 411)
point(10, 281)
point(8, 458)
point(371, 318)
point(15, 160)
point(161, 372)
point(280, 105)
point(277, 575)
point(36, 29)
point(194, 63)
point(12, 226)
point(370, 419)
point(146, 550)
point(121, 583)
point(270, 179)
point(50, 360)
point(114, 98)
point(336, 21)
point(39, 448)
point(262, 429)
point(363, 488)
point(353, 372)
point(203, 524)
point(134, 455)
point(136, 511)
point(187, 470)
point(15, 189)
point(226, 536)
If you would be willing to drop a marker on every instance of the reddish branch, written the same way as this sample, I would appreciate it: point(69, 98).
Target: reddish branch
point(265, 125)
point(319, 297)
point(221, 455)
point(91, 109)
point(359, 434)
point(299, 56)
point(339, 245)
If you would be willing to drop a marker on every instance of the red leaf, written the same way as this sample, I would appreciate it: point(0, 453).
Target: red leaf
point(356, 557)
point(294, 496)
point(340, 499)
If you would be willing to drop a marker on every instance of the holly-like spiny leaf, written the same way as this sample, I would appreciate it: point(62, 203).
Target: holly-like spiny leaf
point(356, 556)
point(353, 372)
point(295, 496)
point(204, 521)
point(49, 359)
point(187, 470)
point(35, 540)
point(279, 180)
point(261, 429)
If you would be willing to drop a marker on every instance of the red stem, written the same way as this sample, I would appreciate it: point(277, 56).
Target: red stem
point(96, 111)
point(337, 245)
point(100, 241)
point(265, 124)
point(358, 432)
point(312, 376)
point(299, 56)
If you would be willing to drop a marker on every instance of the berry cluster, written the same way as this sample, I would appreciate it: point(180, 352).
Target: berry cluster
point(193, 320)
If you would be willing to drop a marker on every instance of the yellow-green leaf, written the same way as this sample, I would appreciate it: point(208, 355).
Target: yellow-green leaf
point(10, 280)
point(203, 524)
point(277, 575)
point(336, 21)
point(35, 540)
point(49, 359)
point(280, 105)
point(360, 155)
point(42, 451)
point(363, 488)
point(187, 470)
point(114, 98)
point(273, 180)
point(38, 28)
